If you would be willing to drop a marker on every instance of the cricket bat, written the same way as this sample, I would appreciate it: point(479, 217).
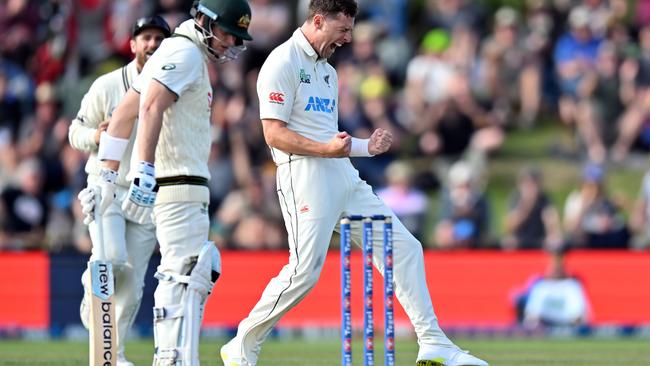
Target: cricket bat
point(103, 349)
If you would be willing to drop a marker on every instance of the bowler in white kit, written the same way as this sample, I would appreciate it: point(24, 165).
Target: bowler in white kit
point(317, 185)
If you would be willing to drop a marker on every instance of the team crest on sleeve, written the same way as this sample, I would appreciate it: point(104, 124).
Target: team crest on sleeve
point(168, 67)
point(276, 98)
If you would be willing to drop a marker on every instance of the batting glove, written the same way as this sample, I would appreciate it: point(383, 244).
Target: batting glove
point(142, 194)
point(105, 186)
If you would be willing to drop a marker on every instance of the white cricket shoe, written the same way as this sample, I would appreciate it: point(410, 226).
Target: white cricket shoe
point(446, 356)
point(228, 361)
point(122, 361)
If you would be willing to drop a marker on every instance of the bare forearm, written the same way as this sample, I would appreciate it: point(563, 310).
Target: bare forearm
point(278, 136)
point(148, 133)
point(122, 121)
point(124, 116)
point(156, 102)
point(294, 143)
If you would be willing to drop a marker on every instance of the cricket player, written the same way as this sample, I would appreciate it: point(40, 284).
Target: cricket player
point(129, 244)
point(317, 185)
point(172, 98)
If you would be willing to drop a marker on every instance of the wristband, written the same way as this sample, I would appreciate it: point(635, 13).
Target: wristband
point(359, 147)
point(147, 168)
point(111, 148)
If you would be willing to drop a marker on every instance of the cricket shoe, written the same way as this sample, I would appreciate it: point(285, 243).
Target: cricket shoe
point(227, 361)
point(122, 361)
point(446, 356)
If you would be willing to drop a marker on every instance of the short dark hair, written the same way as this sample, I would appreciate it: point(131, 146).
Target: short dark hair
point(332, 8)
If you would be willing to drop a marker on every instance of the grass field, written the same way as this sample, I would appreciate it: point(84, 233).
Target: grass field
point(499, 352)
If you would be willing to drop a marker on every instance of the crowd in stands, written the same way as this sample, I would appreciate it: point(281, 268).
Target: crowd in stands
point(451, 79)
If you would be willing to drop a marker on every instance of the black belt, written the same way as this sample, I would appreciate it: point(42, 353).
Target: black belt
point(182, 180)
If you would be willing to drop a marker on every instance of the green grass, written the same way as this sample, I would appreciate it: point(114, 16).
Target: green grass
point(499, 352)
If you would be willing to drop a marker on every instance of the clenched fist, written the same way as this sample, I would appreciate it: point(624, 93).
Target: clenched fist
point(380, 141)
point(339, 146)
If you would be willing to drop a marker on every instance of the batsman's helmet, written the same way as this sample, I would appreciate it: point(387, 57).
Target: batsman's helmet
point(155, 21)
point(233, 16)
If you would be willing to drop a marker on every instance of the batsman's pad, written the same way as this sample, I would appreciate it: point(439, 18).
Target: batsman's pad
point(197, 285)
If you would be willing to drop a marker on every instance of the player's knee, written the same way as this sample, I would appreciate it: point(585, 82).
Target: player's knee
point(309, 280)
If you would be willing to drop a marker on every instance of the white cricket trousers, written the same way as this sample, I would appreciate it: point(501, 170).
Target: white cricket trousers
point(182, 229)
point(128, 245)
point(314, 194)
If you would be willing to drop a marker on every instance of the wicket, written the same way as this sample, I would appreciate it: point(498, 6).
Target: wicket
point(368, 308)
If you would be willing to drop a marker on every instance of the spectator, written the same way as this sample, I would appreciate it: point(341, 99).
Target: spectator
point(408, 202)
point(591, 218)
point(555, 299)
point(442, 112)
point(248, 218)
point(640, 216)
point(350, 116)
point(10, 112)
point(271, 26)
point(532, 220)
point(601, 15)
point(44, 134)
point(24, 209)
point(35, 131)
point(635, 79)
point(600, 104)
point(377, 111)
point(575, 56)
point(464, 213)
point(450, 14)
point(19, 21)
point(510, 67)
point(429, 77)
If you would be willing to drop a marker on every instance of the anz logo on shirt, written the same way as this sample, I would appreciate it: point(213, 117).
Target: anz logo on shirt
point(316, 104)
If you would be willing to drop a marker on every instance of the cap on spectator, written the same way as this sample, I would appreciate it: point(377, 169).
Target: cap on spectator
point(45, 93)
point(532, 173)
point(506, 17)
point(374, 86)
point(579, 17)
point(436, 41)
point(460, 173)
point(399, 172)
point(364, 31)
point(155, 21)
point(593, 173)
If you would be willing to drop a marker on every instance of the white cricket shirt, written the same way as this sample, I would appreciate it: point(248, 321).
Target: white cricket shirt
point(184, 142)
point(97, 106)
point(183, 147)
point(297, 87)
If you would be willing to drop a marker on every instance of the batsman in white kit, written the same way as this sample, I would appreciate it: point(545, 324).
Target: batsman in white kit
point(317, 185)
point(172, 98)
point(129, 244)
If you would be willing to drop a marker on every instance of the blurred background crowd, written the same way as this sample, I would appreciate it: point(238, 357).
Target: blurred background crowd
point(518, 124)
